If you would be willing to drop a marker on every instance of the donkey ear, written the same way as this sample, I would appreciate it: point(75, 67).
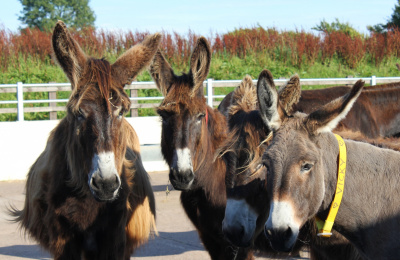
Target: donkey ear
point(289, 94)
point(268, 100)
point(68, 53)
point(129, 64)
point(327, 117)
point(200, 63)
point(162, 73)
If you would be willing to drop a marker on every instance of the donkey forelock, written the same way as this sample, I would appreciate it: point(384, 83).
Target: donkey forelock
point(97, 84)
point(179, 98)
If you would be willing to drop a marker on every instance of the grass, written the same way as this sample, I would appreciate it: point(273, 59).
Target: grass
point(223, 66)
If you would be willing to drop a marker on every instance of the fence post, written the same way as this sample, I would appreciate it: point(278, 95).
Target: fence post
point(134, 93)
point(373, 80)
point(209, 92)
point(53, 95)
point(20, 99)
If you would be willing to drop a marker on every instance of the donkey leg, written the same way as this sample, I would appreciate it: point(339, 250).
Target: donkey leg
point(71, 251)
point(219, 248)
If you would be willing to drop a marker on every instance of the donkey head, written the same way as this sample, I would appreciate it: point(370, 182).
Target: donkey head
point(296, 163)
point(246, 210)
point(183, 111)
point(96, 142)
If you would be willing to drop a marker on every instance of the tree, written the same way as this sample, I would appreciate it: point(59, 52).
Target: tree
point(326, 27)
point(44, 14)
point(393, 22)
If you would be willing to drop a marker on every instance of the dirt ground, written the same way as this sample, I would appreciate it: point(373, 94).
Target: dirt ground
point(177, 237)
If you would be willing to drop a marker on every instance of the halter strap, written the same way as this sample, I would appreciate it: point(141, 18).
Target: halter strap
point(206, 116)
point(325, 228)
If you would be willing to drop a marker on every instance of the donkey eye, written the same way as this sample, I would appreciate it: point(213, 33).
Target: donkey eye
point(165, 116)
point(306, 167)
point(121, 113)
point(80, 116)
point(200, 116)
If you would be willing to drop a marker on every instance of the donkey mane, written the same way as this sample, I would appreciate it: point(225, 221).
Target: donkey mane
point(381, 95)
point(244, 98)
point(211, 138)
point(382, 86)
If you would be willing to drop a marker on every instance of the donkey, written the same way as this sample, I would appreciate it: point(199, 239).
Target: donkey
point(247, 210)
point(302, 171)
point(375, 113)
point(88, 195)
point(191, 132)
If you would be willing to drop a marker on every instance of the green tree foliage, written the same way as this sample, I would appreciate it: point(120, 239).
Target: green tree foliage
point(336, 26)
point(393, 22)
point(44, 14)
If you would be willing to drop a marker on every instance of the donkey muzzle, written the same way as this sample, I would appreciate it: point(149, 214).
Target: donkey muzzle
point(282, 240)
point(281, 228)
point(239, 223)
point(181, 172)
point(181, 180)
point(104, 181)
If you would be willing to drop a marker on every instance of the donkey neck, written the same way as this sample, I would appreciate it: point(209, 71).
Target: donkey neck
point(211, 173)
point(370, 196)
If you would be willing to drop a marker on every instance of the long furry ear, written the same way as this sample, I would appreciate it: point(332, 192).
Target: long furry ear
point(289, 94)
point(327, 117)
point(129, 64)
point(162, 73)
point(244, 97)
point(268, 100)
point(68, 53)
point(200, 64)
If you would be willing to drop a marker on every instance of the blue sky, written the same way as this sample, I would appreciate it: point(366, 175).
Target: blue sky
point(206, 16)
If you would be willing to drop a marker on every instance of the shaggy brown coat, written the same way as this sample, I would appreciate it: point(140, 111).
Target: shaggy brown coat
point(191, 133)
point(62, 212)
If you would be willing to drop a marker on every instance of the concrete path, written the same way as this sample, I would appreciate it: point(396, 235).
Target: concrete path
point(177, 237)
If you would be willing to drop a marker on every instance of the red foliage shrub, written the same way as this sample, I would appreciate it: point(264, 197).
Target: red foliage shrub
point(295, 48)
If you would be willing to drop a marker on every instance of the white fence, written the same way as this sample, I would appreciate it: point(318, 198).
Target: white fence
point(209, 84)
point(22, 142)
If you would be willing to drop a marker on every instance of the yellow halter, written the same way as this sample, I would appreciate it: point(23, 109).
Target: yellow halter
point(325, 228)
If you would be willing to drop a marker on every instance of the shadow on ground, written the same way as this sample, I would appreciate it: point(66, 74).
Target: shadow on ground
point(166, 244)
point(25, 251)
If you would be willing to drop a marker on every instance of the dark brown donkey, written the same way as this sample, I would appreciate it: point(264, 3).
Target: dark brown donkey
point(302, 165)
point(376, 112)
point(191, 132)
point(88, 195)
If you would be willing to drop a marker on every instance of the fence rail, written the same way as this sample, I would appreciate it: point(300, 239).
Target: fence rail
point(209, 84)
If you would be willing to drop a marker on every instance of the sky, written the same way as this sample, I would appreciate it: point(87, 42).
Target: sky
point(208, 17)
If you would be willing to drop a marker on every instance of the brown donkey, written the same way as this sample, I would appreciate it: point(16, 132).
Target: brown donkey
point(375, 114)
point(191, 132)
point(302, 172)
point(88, 195)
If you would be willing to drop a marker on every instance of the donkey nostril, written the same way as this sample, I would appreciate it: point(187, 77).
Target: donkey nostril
point(288, 232)
point(94, 183)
